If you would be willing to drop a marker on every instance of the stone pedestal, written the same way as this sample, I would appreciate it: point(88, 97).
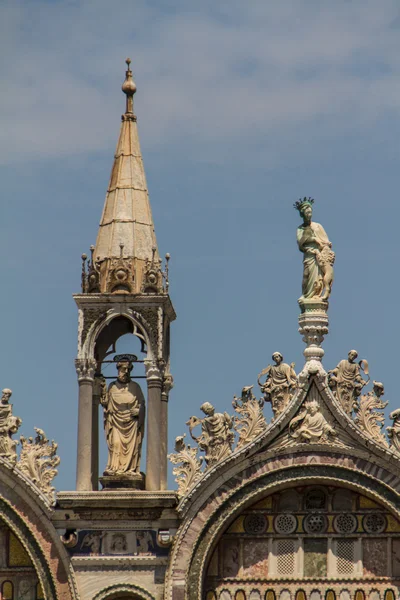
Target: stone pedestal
point(131, 481)
point(313, 326)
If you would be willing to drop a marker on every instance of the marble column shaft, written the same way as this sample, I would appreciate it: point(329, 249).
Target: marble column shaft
point(154, 419)
point(84, 472)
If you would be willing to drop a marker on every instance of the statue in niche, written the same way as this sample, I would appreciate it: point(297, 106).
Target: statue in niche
point(310, 425)
point(9, 425)
point(346, 381)
point(280, 385)
point(318, 257)
point(216, 437)
point(367, 416)
point(124, 411)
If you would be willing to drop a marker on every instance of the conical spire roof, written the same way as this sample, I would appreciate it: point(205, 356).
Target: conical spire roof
point(126, 228)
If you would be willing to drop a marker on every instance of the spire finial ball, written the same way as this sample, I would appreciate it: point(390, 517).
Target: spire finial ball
point(129, 86)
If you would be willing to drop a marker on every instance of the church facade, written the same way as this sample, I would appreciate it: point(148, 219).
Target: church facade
point(305, 507)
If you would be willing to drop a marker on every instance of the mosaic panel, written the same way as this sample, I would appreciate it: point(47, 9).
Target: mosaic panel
point(315, 557)
point(375, 557)
point(255, 558)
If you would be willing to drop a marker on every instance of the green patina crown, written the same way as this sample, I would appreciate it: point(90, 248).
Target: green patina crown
point(303, 202)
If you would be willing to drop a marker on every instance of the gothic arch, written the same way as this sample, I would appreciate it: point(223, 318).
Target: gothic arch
point(124, 592)
point(138, 324)
point(199, 534)
point(24, 511)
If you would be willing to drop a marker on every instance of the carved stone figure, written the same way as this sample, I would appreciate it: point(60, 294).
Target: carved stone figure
point(280, 385)
point(124, 411)
point(367, 416)
point(310, 425)
point(216, 437)
point(38, 461)
point(251, 421)
point(188, 469)
point(393, 432)
point(118, 544)
point(346, 381)
point(144, 542)
point(9, 424)
point(93, 541)
point(318, 258)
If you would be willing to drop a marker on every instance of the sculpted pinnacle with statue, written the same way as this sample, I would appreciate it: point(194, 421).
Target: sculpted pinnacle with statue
point(318, 257)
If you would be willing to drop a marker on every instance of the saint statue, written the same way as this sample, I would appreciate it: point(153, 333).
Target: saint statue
point(9, 425)
point(310, 425)
point(393, 432)
point(216, 437)
point(124, 410)
point(318, 257)
point(346, 381)
point(280, 385)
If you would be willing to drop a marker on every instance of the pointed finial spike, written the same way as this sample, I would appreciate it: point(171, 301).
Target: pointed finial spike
point(129, 88)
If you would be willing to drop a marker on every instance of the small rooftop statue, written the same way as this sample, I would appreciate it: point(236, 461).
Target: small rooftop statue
point(318, 256)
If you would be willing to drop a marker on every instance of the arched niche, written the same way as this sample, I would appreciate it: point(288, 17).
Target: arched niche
point(268, 547)
point(207, 515)
point(116, 328)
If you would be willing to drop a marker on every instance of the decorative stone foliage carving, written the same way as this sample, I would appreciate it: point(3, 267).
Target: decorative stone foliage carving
point(311, 426)
point(251, 421)
point(346, 381)
point(188, 469)
point(38, 461)
point(216, 437)
point(367, 416)
point(9, 425)
point(280, 385)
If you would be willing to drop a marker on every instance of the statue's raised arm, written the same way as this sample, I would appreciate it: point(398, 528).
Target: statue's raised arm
point(318, 257)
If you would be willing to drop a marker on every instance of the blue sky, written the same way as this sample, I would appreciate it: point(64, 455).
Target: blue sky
point(242, 108)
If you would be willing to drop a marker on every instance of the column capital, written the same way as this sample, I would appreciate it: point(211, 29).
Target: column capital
point(153, 371)
point(85, 369)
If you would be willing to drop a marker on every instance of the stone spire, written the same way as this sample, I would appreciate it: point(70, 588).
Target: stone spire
point(126, 244)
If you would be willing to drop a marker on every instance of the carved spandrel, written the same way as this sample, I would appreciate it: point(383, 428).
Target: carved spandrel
point(346, 381)
point(310, 425)
point(9, 425)
point(318, 257)
point(217, 435)
point(38, 461)
point(280, 384)
point(188, 465)
point(250, 422)
point(368, 413)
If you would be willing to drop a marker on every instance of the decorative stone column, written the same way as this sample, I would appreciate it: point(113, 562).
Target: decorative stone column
point(85, 369)
point(313, 326)
point(154, 420)
point(168, 384)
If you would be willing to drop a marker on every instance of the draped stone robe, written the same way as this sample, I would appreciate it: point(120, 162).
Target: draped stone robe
point(124, 432)
point(307, 237)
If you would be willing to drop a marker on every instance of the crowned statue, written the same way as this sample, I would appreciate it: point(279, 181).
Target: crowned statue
point(124, 411)
point(318, 257)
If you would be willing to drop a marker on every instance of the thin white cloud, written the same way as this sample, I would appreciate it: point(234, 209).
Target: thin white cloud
point(222, 77)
